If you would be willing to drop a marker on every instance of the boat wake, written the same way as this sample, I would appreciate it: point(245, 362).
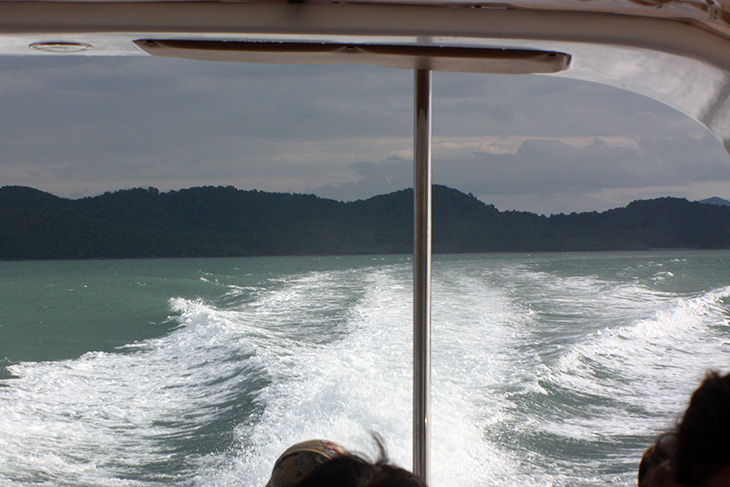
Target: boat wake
point(539, 376)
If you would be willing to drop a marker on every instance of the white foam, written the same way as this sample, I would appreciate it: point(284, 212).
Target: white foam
point(332, 386)
point(99, 419)
point(342, 389)
point(333, 350)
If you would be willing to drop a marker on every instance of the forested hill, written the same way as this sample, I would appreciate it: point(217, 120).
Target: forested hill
point(224, 221)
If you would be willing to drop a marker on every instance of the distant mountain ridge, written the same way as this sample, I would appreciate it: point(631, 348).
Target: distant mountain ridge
point(225, 221)
point(715, 200)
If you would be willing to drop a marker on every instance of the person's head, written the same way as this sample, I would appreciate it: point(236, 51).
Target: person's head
point(300, 460)
point(354, 471)
point(697, 454)
point(319, 463)
point(703, 436)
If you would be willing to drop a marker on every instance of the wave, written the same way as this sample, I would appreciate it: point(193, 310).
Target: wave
point(539, 376)
point(609, 392)
point(338, 367)
point(535, 382)
point(136, 417)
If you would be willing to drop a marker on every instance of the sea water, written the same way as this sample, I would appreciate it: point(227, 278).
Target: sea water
point(548, 369)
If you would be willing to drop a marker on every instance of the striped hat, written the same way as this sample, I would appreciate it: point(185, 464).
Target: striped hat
point(300, 460)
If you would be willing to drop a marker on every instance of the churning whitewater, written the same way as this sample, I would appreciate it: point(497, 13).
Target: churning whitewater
point(548, 369)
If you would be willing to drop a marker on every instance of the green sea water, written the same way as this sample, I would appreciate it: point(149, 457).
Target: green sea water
point(53, 310)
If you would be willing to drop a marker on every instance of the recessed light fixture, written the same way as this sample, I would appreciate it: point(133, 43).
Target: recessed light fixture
point(60, 47)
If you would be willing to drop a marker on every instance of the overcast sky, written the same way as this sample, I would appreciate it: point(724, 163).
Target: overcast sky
point(77, 127)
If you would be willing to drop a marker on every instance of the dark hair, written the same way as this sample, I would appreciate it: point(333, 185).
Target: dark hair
point(703, 435)
point(352, 470)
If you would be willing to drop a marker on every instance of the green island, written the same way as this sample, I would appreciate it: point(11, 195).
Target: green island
point(225, 221)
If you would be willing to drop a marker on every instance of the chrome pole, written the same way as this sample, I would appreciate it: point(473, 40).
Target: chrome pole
point(422, 277)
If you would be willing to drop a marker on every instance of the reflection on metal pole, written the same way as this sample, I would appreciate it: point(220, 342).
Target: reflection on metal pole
point(422, 277)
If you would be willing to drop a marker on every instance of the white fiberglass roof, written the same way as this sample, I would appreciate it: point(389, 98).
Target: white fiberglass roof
point(677, 52)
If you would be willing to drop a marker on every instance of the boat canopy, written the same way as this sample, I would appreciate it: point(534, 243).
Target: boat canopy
point(674, 51)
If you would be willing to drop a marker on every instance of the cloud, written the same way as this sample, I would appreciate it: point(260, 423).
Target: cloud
point(392, 175)
point(552, 170)
point(83, 126)
point(99, 118)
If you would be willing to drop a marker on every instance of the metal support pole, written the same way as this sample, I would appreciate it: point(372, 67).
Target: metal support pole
point(422, 277)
